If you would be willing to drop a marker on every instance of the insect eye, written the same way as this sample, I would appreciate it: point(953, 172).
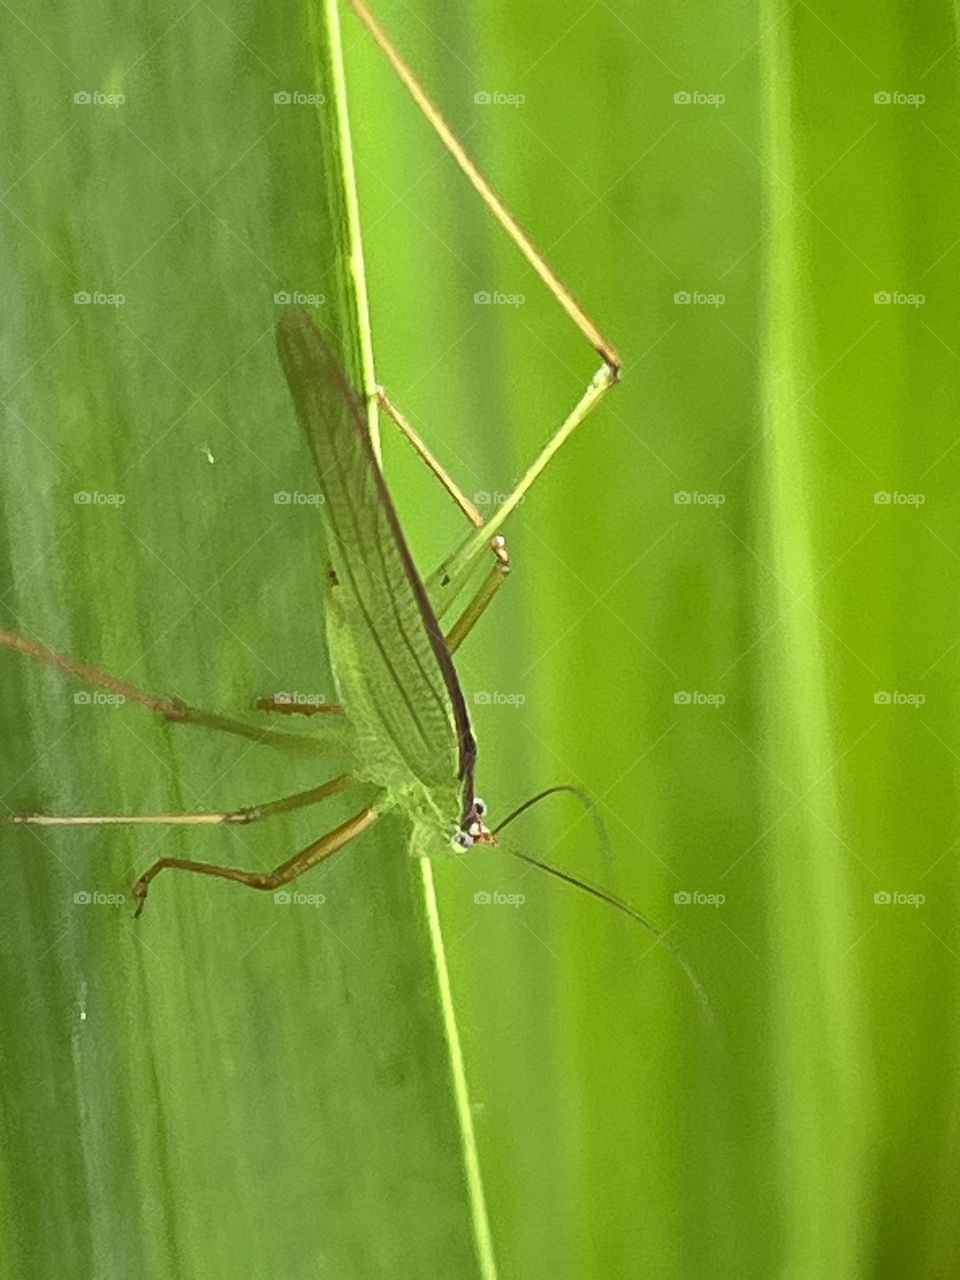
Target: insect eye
point(479, 806)
point(463, 840)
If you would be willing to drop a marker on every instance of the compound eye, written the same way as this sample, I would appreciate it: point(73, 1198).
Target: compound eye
point(479, 807)
point(463, 840)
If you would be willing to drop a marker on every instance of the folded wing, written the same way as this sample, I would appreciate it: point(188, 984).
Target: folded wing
point(394, 669)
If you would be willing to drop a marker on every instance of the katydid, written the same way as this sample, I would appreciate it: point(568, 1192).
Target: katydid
point(401, 721)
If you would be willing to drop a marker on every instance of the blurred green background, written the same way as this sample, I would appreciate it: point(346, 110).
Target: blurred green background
point(758, 684)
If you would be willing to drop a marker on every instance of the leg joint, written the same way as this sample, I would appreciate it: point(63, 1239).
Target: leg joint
point(243, 817)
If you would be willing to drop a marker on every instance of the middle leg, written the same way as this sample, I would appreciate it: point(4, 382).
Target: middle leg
point(308, 857)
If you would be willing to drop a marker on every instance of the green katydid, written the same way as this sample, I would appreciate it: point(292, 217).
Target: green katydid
point(402, 719)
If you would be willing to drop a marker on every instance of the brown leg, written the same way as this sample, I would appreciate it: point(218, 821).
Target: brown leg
point(282, 708)
point(423, 452)
point(287, 871)
point(238, 817)
point(487, 194)
point(498, 544)
point(170, 708)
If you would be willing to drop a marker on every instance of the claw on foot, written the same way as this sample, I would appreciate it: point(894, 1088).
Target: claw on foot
point(140, 896)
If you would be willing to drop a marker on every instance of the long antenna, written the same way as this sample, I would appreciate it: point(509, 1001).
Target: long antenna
point(585, 798)
point(589, 804)
point(612, 900)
